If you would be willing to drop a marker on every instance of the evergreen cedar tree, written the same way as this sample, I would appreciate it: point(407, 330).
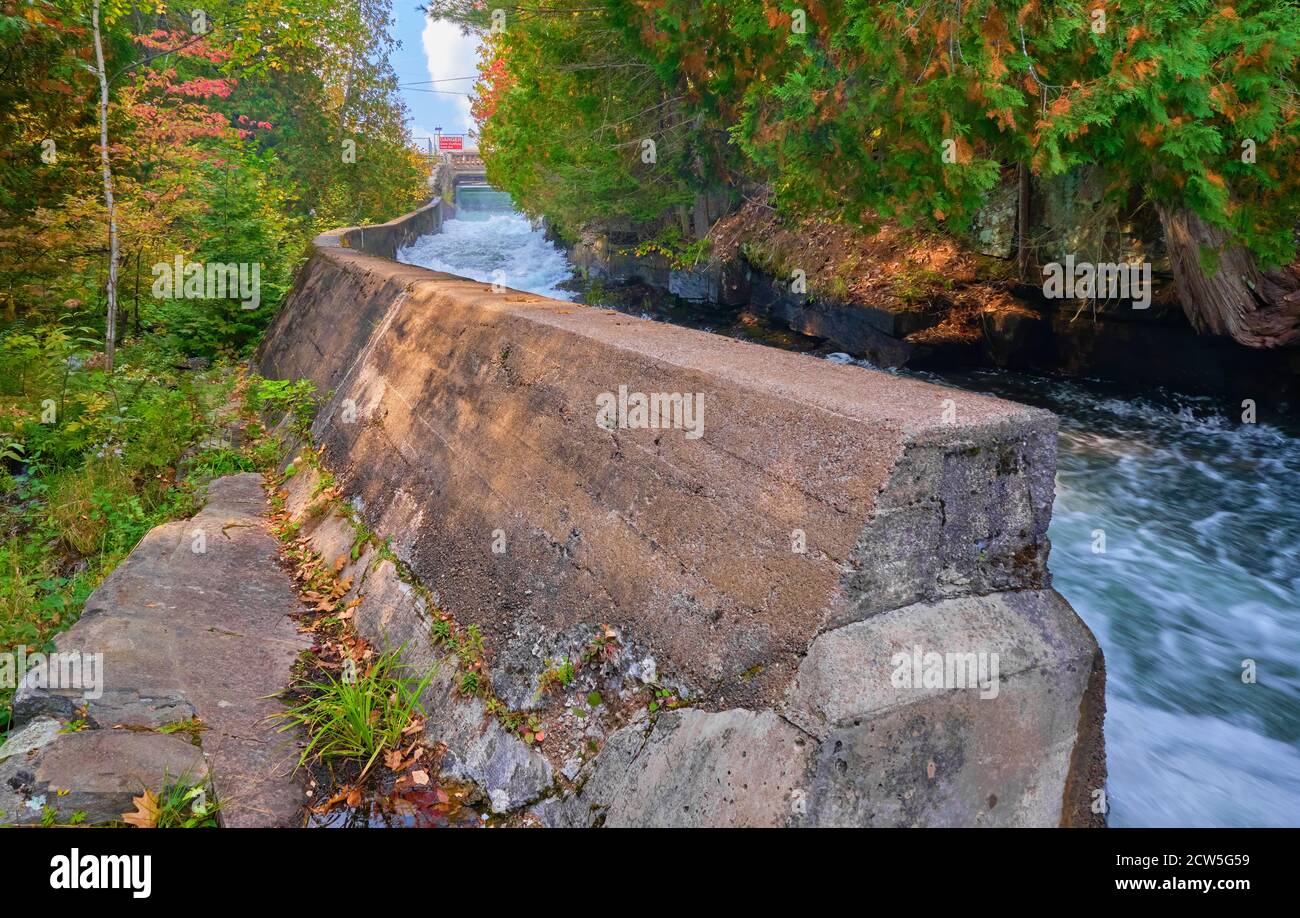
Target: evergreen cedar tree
point(1189, 109)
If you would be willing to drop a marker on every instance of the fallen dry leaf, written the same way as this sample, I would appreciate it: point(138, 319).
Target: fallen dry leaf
point(420, 776)
point(146, 811)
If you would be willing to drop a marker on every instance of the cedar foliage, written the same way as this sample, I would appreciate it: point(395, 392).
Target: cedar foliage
point(852, 114)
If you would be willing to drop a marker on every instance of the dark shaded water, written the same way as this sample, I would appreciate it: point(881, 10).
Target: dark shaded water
point(441, 805)
point(1200, 572)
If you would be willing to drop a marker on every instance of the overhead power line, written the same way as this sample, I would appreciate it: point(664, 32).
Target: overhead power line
point(443, 80)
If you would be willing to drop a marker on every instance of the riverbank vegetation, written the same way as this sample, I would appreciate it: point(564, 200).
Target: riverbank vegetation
point(651, 117)
point(137, 141)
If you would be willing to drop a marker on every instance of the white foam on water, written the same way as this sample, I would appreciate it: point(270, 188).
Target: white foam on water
point(1201, 572)
point(1171, 769)
point(497, 242)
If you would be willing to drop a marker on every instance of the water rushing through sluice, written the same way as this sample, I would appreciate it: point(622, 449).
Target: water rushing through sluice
point(1200, 573)
point(494, 247)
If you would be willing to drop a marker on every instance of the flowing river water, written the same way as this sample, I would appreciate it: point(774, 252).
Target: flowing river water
point(1200, 571)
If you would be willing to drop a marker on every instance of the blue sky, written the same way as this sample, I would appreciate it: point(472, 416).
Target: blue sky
point(433, 50)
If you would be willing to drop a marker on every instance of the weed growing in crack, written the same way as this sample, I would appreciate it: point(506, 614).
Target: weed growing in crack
point(557, 674)
point(358, 718)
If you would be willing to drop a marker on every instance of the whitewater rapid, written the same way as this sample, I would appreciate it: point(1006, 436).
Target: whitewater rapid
point(503, 248)
point(1199, 578)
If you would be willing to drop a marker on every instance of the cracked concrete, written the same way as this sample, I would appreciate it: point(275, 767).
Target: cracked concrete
point(820, 498)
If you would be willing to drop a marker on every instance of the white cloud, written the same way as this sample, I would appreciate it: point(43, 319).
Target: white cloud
point(451, 54)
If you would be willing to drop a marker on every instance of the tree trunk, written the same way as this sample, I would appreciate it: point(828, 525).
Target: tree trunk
point(1255, 308)
point(110, 325)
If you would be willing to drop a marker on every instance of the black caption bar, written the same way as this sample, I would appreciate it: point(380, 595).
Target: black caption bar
point(141, 867)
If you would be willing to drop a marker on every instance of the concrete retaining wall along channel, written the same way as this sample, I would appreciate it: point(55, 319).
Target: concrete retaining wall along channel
point(807, 594)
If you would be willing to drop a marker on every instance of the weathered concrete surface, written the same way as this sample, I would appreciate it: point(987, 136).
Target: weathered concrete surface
point(392, 615)
point(850, 672)
point(204, 634)
point(95, 772)
point(737, 768)
point(478, 748)
point(386, 238)
point(818, 496)
point(853, 747)
point(476, 413)
point(895, 751)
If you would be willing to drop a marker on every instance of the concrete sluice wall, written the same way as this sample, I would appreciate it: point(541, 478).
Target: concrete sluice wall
point(476, 198)
point(827, 587)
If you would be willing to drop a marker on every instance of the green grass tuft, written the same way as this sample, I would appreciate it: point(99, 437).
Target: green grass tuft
point(358, 719)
